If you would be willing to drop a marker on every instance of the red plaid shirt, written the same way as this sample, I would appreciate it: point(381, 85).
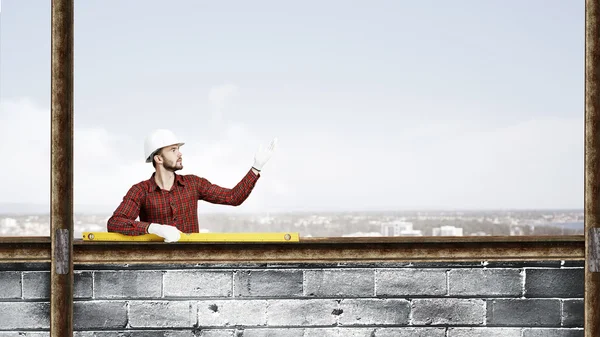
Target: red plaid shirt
point(177, 207)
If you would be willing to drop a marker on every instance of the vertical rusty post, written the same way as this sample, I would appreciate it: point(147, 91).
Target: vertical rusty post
point(592, 162)
point(61, 211)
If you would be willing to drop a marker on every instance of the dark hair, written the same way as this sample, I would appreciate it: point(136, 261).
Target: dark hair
point(157, 152)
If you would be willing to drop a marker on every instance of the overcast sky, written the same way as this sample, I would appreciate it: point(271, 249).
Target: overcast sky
point(376, 104)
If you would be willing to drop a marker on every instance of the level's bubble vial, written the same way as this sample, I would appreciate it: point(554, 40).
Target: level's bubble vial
point(91, 236)
point(287, 237)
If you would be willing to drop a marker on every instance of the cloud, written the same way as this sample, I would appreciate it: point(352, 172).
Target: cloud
point(106, 164)
point(25, 138)
point(25, 130)
point(535, 163)
point(218, 95)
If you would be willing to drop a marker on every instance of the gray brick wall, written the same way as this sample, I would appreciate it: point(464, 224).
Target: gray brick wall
point(493, 299)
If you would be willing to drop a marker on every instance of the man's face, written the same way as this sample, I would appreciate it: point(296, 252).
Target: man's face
point(172, 158)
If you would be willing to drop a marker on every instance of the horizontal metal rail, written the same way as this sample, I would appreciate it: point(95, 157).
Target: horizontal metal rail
point(307, 250)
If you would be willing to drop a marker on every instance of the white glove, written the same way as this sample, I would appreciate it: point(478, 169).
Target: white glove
point(262, 156)
point(169, 233)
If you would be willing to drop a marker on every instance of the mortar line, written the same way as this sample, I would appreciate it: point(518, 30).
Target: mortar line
point(22, 285)
point(128, 324)
point(304, 282)
point(233, 273)
point(562, 312)
point(375, 282)
point(524, 275)
point(485, 305)
point(448, 282)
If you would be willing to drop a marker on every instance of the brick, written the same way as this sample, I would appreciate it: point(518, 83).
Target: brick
point(83, 283)
point(216, 333)
point(449, 311)
point(338, 332)
point(137, 333)
point(523, 312)
point(262, 283)
point(162, 314)
point(410, 332)
point(572, 313)
point(29, 315)
point(484, 332)
point(554, 282)
point(99, 315)
point(193, 283)
point(553, 333)
point(347, 283)
point(356, 264)
point(374, 312)
point(411, 282)
point(127, 284)
point(485, 282)
point(273, 332)
point(522, 264)
point(11, 284)
point(302, 312)
point(232, 313)
point(36, 285)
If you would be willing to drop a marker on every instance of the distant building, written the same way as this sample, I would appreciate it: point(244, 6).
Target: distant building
point(399, 228)
point(480, 233)
point(8, 222)
point(362, 234)
point(447, 231)
point(516, 230)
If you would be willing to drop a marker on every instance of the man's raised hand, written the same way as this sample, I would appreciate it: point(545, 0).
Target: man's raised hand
point(263, 155)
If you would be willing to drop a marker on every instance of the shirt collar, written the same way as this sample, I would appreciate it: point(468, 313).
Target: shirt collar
point(152, 185)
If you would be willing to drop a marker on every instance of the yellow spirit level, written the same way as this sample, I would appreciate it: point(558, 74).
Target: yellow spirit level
point(196, 237)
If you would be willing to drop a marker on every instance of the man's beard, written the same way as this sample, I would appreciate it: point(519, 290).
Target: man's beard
point(173, 166)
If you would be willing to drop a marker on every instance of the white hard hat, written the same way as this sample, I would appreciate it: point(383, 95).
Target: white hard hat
point(157, 140)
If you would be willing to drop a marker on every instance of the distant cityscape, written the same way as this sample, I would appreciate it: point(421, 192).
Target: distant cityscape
point(344, 224)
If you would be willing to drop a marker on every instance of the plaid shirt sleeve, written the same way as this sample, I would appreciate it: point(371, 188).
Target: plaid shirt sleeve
point(215, 194)
point(123, 219)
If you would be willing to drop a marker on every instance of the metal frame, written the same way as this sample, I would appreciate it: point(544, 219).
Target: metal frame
point(61, 209)
point(62, 251)
point(592, 165)
point(310, 250)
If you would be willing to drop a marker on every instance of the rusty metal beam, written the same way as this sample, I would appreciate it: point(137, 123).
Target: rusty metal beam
point(309, 250)
point(61, 210)
point(592, 163)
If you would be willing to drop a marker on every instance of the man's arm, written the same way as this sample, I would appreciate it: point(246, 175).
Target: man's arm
point(123, 219)
point(216, 194)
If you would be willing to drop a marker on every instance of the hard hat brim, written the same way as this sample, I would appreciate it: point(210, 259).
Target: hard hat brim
point(149, 159)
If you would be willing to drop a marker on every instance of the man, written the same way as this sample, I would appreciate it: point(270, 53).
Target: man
point(167, 203)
